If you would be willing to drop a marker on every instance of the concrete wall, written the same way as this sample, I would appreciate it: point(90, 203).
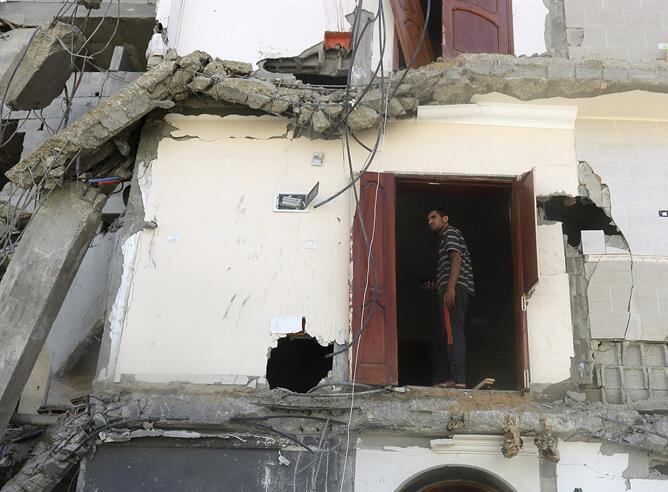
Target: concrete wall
point(593, 466)
point(627, 289)
point(386, 463)
point(84, 305)
point(206, 283)
point(383, 463)
point(624, 29)
point(252, 30)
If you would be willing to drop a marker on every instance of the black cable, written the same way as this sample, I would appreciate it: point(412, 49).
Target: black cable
point(417, 48)
point(413, 57)
point(372, 262)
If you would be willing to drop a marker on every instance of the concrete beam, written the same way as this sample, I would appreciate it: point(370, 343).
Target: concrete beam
point(37, 280)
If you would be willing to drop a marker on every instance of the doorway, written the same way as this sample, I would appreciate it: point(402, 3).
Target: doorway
point(456, 478)
point(497, 215)
point(481, 211)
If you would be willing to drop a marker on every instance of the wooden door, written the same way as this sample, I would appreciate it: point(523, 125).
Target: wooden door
point(525, 264)
point(477, 26)
point(374, 281)
point(409, 21)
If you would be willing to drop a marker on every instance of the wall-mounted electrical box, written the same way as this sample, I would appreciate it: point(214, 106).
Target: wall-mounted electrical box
point(294, 202)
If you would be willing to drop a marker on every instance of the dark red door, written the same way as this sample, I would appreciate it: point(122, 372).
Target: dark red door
point(374, 281)
point(525, 261)
point(477, 26)
point(409, 20)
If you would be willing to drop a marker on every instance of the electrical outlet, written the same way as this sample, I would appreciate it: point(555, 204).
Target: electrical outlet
point(663, 213)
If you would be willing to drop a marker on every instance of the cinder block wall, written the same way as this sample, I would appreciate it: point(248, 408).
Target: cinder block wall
point(622, 29)
point(628, 291)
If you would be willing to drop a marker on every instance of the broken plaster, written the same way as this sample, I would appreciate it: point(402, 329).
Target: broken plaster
point(119, 308)
point(322, 112)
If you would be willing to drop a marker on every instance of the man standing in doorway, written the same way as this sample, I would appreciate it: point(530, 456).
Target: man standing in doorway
point(454, 281)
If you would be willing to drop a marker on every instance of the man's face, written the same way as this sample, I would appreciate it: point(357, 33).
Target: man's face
point(437, 222)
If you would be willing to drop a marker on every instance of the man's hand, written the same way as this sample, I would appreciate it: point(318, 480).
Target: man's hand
point(428, 285)
point(449, 298)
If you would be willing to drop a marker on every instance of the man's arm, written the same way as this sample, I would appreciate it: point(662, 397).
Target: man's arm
point(456, 267)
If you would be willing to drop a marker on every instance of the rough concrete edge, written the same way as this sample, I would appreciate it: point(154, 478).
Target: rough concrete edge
point(555, 28)
point(49, 306)
point(133, 223)
point(455, 81)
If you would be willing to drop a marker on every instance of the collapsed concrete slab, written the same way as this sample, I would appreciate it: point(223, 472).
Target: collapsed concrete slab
point(37, 280)
point(323, 112)
point(39, 72)
point(417, 412)
point(86, 137)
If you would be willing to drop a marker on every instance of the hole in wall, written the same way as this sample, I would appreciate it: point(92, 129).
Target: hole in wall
point(298, 363)
point(577, 214)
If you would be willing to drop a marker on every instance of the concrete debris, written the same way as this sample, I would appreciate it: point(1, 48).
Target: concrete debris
point(547, 446)
point(9, 212)
point(420, 413)
point(88, 134)
point(512, 442)
point(362, 118)
point(321, 111)
point(39, 72)
point(48, 256)
point(591, 186)
point(90, 4)
point(53, 458)
point(576, 396)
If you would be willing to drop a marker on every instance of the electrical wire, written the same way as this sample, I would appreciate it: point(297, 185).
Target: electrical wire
point(365, 168)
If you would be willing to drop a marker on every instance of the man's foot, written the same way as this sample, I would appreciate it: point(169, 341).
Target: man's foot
point(450, 384)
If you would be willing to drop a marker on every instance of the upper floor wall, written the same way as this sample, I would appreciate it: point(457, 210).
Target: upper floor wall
point(253, 30)
point(625, 29)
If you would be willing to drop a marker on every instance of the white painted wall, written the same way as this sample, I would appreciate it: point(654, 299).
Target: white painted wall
point(250, 30)
point(583, 466)
point(208, 280)
point(549, 311)
point(384, 464)
point(221, 264)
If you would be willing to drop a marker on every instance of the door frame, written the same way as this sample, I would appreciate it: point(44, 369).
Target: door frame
point(519, 222)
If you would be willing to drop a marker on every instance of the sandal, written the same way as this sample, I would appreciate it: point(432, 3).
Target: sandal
point(449, 384)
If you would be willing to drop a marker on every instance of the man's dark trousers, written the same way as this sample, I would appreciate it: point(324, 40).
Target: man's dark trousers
point(451, 359)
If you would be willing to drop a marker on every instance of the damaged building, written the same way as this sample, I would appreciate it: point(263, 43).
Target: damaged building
point(215, 241)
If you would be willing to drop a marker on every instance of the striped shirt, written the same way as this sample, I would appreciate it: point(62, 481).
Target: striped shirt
point(452, 240)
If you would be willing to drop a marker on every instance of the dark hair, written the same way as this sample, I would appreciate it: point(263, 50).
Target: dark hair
point(438, 210)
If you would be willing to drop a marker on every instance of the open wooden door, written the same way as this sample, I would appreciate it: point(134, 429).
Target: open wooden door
point(477, 26)
point(375, 275)
point(409, 20)
point(525, 261)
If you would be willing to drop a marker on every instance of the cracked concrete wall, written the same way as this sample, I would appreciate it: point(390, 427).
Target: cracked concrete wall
point(202, 296)
point(196, 25)
point(220, 265)
point(122, 263)
point(387, 462)
point(627, 294)
point(622, 29)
